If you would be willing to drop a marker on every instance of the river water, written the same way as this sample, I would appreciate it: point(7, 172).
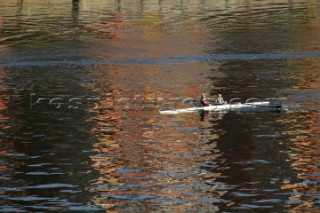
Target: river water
point(81, 83)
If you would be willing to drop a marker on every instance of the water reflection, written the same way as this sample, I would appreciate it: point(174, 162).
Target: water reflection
point(107, 155)
point(39, 148)
point(75, 11)
point(303, 158)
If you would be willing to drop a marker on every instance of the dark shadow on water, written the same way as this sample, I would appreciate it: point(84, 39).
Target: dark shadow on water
point(75, 11)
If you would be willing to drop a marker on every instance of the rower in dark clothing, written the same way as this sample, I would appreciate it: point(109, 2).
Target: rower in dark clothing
point(203, 102)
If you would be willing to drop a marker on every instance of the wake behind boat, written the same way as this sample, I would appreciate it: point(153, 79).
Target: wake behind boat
point(253, 106)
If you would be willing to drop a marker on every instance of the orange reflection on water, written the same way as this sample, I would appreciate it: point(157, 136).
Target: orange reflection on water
point(112, 29)
point(303, 132)
point(4, 124)
point(140, 155)
point(309, 77)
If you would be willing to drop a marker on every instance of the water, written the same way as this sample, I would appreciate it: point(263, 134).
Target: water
point(81, 84)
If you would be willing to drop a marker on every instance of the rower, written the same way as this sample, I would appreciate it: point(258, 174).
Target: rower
point(203, 102)
point(219, 99)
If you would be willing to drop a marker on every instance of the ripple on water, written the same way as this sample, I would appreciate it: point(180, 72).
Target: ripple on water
point(44, 173)
point(240, 194)
point(269, 201)
point(6, 208)
point(13, 155)
point(254, 162)
point(134, 198)
point(214, 200)
point(128, 170)
point(51, 186)
point(29, 198)
point(250, 206)
point(85, 208)
point(10, 189)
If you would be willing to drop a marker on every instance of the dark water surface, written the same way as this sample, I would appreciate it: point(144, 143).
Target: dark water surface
point(81, 83)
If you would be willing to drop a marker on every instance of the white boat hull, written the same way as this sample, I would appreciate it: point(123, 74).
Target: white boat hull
point(254, 106)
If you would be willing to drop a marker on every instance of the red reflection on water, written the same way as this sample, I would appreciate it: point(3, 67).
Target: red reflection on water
point(111, 28)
